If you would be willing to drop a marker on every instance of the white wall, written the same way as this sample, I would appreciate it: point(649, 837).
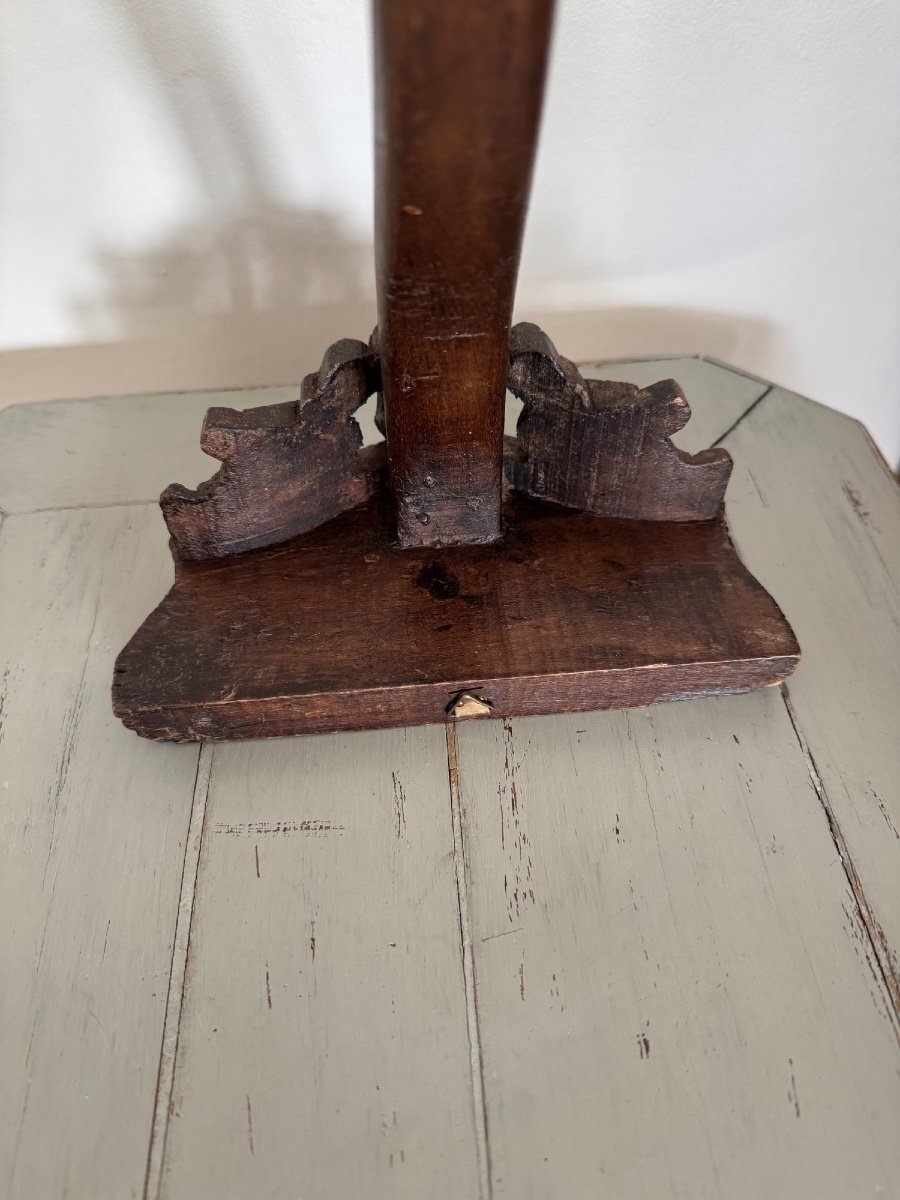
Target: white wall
point(186, 191)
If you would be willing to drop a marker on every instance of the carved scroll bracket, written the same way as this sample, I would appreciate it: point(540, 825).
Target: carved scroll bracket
point(286, 468)
point(588, 444)
point(605, 447)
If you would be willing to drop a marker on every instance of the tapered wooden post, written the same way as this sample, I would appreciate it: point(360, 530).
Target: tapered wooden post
point(614, 583)
point(459, 85)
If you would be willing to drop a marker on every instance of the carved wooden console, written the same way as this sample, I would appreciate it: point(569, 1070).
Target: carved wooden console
point(323, 586)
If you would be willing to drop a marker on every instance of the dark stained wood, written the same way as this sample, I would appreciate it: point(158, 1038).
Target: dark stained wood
point(588, 444)
point(320, 588)
point(459, 86)
point(605, 447)
point(342, 629)
point(285, 467)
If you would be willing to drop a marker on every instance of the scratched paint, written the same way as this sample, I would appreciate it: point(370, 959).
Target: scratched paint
point(643, 1041)
point(399, 804)
point(275, 828)
point(793, 1098)
point(514, 841)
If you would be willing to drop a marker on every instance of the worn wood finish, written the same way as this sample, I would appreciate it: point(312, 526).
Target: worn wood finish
point(91, 851)
point(745, 931)
point(676, 992)
point(818, 513)
point(276, 482)
point(342, 629)
point(324, 1048)
point(453, 169)
point(285, 468)
point(604, 447)
point(149, 439)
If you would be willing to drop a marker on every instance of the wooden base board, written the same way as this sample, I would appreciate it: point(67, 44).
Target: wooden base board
point(341, 629)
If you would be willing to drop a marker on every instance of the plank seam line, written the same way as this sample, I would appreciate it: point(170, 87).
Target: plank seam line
point(482, 1143)
point(641, 358)
point(92, 507)
point(168, 1054)
point(746, 413)
point(869, 922)
point(128, 397)
point(724, 366)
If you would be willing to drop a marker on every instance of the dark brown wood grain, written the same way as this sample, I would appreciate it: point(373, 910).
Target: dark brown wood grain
point(285, 467)
point(342, 629)
point(321, 588)
point(458, 98)
point(604, 447)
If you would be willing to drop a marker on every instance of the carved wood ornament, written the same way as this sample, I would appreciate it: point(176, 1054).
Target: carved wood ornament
point(322, 586)
point(286, 468)
point(588, 444)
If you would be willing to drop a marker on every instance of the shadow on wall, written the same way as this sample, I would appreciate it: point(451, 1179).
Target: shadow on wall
point(617, 333)
point(266, 259)
point(161, 340)
point(251, 300)
point(253, 292)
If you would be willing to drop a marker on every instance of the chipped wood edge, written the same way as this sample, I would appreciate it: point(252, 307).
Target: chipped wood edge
point(249, 391)
point(175, 997)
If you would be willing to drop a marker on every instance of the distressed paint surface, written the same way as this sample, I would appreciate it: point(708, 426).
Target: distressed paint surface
point(91, 849)
point(712, 884)
point(676, 993)
point(323, 1041)
point(817, 515)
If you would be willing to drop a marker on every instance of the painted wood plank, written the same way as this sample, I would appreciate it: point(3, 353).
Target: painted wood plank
point(92, 828)
point(718, 396)
point(676, 997)
point(109, 450)
point(816, 515)
point(323, 1048)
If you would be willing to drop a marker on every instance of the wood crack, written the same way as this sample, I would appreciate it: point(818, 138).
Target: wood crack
point(874, 933)
point(162, 1108)
point(746, 413)
point(460, 862)
point(92, 506)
